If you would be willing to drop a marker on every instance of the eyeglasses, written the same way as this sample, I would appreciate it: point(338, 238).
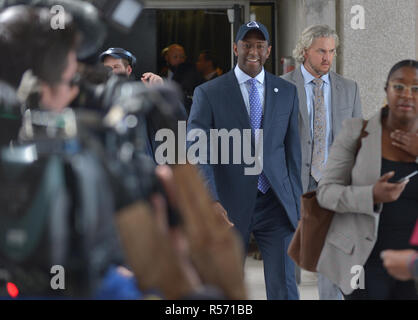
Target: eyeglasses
point(400, 88)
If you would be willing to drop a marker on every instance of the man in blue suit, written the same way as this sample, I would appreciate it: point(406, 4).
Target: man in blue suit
point(265, 204)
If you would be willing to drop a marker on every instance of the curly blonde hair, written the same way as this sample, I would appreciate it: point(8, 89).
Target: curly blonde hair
point(309, 35)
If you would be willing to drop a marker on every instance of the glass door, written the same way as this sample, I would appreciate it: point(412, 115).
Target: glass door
point(198, 26)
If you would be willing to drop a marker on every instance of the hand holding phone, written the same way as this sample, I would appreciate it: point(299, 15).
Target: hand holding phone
point(406, 177)
point(387, 189)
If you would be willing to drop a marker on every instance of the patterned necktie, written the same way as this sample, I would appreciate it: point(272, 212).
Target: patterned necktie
point(319, 131)
point(256, 114)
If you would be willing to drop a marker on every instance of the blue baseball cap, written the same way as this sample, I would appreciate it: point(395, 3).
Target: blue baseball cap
point(252, 25)
point(119, 53)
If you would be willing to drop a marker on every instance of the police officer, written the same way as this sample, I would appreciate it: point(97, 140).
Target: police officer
point(123, 62)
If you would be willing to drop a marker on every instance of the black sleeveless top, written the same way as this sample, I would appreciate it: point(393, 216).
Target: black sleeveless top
point(398, 218)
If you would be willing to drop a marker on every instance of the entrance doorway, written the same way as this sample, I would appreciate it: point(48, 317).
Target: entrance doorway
point(196, 25)
point(196, 30)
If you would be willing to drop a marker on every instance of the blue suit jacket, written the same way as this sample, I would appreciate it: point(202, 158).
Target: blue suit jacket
point(219, 104)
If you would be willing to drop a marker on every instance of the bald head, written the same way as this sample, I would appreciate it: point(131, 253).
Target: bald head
point(175, 55)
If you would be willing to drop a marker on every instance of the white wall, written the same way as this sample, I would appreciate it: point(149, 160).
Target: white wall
point(367, 55)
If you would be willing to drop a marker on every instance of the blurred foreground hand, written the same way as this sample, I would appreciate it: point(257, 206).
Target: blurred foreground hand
point(397, 262)
point(177, 261)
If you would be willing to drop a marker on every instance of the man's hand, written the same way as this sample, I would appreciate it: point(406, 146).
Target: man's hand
point(150, 79)
point(406, 141)
point(384, 191)
point(396, 263)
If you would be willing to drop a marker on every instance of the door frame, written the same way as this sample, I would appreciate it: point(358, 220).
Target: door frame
point(199, 4)
point(219, 4)
point(204, 4)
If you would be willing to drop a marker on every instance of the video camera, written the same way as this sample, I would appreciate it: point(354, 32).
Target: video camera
point(121, 114)
point(107, 120)
point(115, 117)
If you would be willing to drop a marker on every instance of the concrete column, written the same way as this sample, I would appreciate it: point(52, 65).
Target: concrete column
point(366, 55)
point(296, 15)
point(320, 12)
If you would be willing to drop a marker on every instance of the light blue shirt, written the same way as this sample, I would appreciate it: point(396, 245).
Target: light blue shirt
point(242, 78)
point(310, 95)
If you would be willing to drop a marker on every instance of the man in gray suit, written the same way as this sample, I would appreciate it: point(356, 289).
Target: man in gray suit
point(325, 100)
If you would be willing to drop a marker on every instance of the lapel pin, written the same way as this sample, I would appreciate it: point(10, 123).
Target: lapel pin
point(276, 90)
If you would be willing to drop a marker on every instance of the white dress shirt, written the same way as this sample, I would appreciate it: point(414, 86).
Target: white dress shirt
point(245, 87)
point(310, 97)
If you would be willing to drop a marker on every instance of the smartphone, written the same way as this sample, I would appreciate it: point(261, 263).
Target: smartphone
point(406, 177)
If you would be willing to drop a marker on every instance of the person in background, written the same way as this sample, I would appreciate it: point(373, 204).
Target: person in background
point(183, 73)
point(163, 61)
point(174, 56)
point(207, 66)
point(122, 62)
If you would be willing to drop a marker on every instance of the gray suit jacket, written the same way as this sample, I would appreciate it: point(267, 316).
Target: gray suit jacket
point(346, 187)
point(345, 103)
